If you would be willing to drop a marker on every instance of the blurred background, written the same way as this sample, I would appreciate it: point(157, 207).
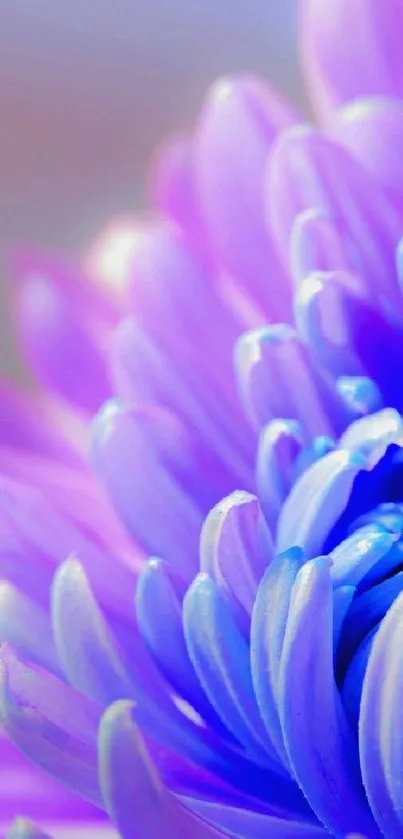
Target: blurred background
point(88, 88)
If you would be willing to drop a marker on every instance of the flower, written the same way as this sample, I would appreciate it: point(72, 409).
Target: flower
point(244, 682)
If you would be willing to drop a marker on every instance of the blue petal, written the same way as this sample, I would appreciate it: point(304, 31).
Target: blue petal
point(321, 749)
point(313, 451)
point(159, 614)
point(221, 659)
point(342, 599)
point(367, 610)
point(356, 556)
point(381, 697)
point(380, 724)
point(247, 824)
point(267, 635)
point(317, 501)
point(220, 656)
point(280, 443)
point(95, 666)
point(352, 685)
point(361, 393)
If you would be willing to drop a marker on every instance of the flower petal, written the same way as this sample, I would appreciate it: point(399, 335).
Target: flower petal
point(308, 171)
point(51, 723)
point(317, 500)
point(280, 444)
point(237, 126)
point(269, 620)
point(372, 129)
point(134, 795)
point(321, 749)
point(236, 546)
point(379, 711)
point(159, 598)
point(339, 66)
point(279, 381)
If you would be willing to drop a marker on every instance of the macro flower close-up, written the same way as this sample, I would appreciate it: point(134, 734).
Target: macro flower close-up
point(201, 496)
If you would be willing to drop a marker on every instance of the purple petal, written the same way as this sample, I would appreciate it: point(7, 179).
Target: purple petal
point(95, 665)
point(139, 455)
point(51, 723)
point(236, 546)
point(307, 171)
point(62, 334)
point(146, 374)
point(238, 124)
point(135, 797)
point(339, 66)
point(173, 187)
point(174, 301)
point(26, 626)
point(279, 381)
point(372, 130)
point(321, 749)
point(315, 245)
point(34, 531)
point(345, 331)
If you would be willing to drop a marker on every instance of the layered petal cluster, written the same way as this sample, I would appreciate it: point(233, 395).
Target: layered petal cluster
point(215, 651)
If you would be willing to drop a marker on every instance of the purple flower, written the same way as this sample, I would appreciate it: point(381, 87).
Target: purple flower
point(226, 660)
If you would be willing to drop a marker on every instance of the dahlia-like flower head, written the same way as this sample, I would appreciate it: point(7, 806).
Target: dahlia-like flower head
point(216, 650)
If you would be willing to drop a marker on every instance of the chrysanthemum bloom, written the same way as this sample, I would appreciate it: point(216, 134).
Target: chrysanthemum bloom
point(247, 682)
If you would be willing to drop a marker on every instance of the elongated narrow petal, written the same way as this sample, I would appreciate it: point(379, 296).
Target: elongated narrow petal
point(316, 244)
point(138, 456)
point(338, 64)
point(236, 546)
point(146, 374)
point(340, 327)
point(322, 751)
point(308, 171)
point(63, 335)
point(173, 186)
point(52, 723)
point(159, 599)
point(220, 656)
point(135, 797)
point(317, 501)
point(279, 381)
point(246, 823)
point(280, 444)
point(267, 636)
point(238, 124)
point(372, 129)
point(380, 757)
point(26, 626)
